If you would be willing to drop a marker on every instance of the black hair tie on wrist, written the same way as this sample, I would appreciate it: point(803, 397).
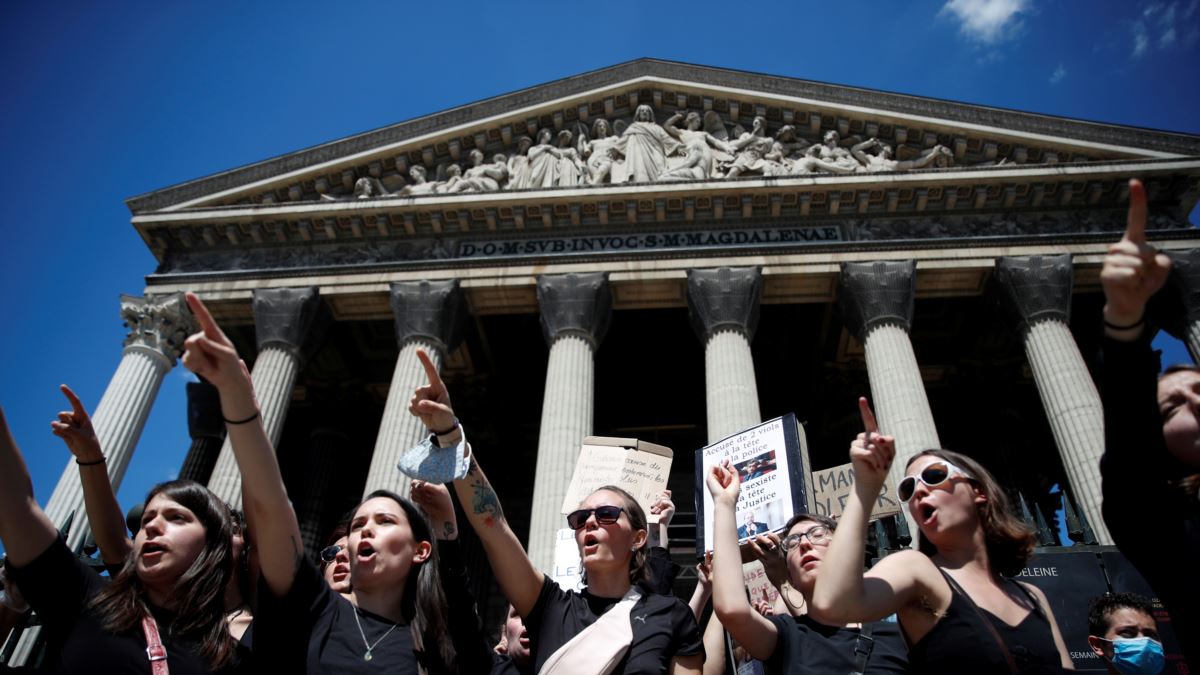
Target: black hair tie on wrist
point(248, 419)
point(451, 429)
point(92, 463)
point(1131, 326)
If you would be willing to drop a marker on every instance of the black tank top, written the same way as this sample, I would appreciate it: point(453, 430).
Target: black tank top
point(959, 643)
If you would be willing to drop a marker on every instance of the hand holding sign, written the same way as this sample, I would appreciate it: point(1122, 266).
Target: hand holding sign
point(723, 483)
point(432, 402)
point(75, 428)
point(1133, 269)
point(871, 453)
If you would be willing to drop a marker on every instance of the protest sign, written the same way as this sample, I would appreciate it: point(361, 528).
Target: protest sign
point(831, 488)
point(638, 467)
point(772, 463)
point(568, 568)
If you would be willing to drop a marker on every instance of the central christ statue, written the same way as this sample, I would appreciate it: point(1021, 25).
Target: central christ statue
point(645, 146)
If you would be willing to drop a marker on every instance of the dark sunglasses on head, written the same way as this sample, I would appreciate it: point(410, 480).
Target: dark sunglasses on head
point(605, 515)
point(329, 553)
point(933, 475)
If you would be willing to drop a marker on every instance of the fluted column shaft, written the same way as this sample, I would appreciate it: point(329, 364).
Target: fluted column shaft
point(567, 409)
point(575, 310)
point(1037, 291)
point(400, 430)
point(274, 376)
point(1184, 284)
point(877, 302)
point(428, 315)
point(283, 318)
point(1074, 411)
point(730, 388)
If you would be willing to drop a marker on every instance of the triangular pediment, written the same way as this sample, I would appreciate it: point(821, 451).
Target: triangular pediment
point(595, 142)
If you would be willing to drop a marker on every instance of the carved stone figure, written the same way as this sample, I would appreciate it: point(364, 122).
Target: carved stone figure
point(751, 150)
point(518, 165)
point(596, 151)
point(645, 146)
point(453, 176)
point(882, 158)
point(570, 170)
point(483, 177)
point(543, 161)
point(419, 185)
point(787, 149)
point(829, 157)
point(364, 188)
point(698, 145)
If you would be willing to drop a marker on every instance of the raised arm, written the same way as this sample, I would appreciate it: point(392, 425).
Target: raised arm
point(843, 593)
point(74, 427)
point(24, 527)
point(755, 633)
point(520, 581)
point(275, 532)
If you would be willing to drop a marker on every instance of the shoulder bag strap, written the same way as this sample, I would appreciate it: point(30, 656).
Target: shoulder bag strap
point(597, 649)
point(155, 651)
point(1008, 657)
point(862, 648)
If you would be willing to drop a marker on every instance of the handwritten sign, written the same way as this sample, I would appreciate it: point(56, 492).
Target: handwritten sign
point(568, 568)
point(638, 467)
point(832, 487)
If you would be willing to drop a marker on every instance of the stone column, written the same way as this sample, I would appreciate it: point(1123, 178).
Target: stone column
point(575, 312)
point(1184, 282)
point(282, 320)
point(326, 448)
point(1037, 291)
point(206, 426)
point(157, 330)
point(428, 315)
point(723, 304)
point(877, 303)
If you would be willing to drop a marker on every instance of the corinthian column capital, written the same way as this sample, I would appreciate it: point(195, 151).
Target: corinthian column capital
point(158, 325)
point(432, 311)
point(725, 298)
point(876, 293)
point(575, 304)
point(1036, 288)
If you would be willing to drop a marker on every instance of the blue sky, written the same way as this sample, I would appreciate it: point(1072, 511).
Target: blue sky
point(104, 101)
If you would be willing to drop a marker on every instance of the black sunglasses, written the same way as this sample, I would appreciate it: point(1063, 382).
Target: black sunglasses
point(329, 553)
point(605, 515)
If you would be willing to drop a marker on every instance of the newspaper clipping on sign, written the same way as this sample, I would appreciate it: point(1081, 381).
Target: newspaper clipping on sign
point(772, 463)
point(640, 468)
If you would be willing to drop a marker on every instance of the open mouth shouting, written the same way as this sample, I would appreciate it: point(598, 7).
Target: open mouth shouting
point(365, 552)
point(591, 543)
point(152, 551)
point(341, 571)
point(926, 513)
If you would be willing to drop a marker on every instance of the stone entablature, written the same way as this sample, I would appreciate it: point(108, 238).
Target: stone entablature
point(973, 133)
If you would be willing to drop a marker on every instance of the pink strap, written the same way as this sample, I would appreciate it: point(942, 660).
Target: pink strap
point(155, 651)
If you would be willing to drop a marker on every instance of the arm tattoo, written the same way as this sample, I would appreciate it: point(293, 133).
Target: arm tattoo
point(448, 531)
point(485, 502)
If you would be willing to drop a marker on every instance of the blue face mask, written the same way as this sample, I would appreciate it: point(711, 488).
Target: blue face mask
point(1138, 656)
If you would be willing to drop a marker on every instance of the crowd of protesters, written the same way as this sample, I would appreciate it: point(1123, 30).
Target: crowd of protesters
point(202, 588)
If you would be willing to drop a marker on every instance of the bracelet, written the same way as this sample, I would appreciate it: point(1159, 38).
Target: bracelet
point(1135, 324)
point(102, 460)
point(454, 426)
point(248, 419)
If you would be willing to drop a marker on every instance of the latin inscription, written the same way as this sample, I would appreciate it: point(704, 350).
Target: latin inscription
point(647, 242)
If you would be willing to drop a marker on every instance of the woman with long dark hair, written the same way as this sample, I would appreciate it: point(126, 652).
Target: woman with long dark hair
point(1150, 471)
point(958, 605)
point(167, 601)
point(617, 624)
point(399, 619)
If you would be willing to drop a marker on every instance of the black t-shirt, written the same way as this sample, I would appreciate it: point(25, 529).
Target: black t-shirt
point(502, 664)
point(312, 629)
point(58, 586)
point(663, 627)
point(805, 646)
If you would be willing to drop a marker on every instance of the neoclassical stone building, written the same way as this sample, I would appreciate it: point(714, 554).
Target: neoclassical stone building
point(662, 251)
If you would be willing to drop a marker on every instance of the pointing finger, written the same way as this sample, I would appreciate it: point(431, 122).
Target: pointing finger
point(431, 371)
point(204, 317)
point(76, 405)
point(1135, 229)
point(868, 417)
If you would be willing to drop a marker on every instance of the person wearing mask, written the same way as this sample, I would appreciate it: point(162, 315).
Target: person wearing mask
point(1122, 631)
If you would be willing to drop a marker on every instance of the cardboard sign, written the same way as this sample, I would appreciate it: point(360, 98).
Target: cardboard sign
point(568, 568)
point(832, 487)
point(638, 467)
point(772, 463)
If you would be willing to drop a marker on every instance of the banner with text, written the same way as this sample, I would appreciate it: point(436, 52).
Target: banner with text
point(831, 488)
point(640, 468)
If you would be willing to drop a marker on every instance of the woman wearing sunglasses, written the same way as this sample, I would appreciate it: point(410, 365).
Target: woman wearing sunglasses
point(399, 621)
point(791, 644)
point(955, 599)
point(616, 625)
